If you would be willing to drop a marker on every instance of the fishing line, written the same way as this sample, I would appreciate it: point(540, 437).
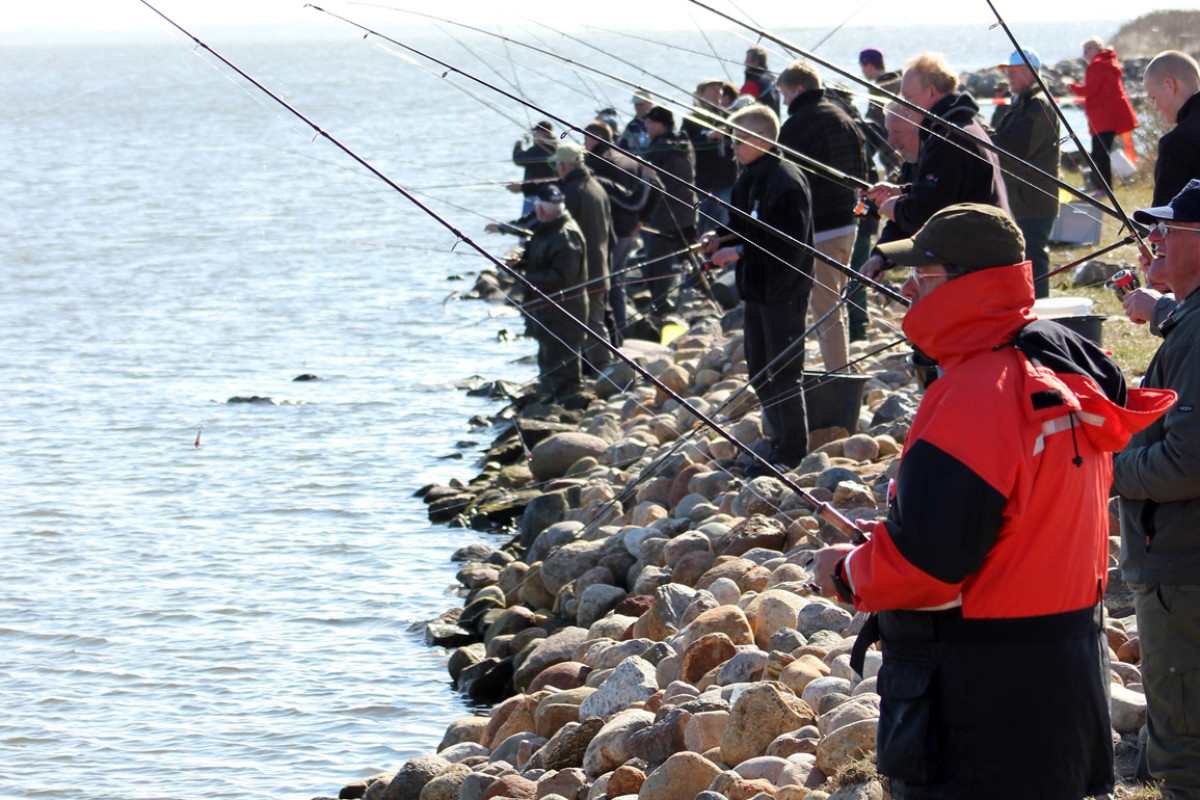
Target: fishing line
point(814, 252)
point(954, 130)
point(824, 510)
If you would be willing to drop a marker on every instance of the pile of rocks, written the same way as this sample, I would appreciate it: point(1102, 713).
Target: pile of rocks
point(648, 631)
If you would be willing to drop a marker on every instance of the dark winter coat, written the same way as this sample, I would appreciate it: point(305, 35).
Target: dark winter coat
point(1178, 153)
point(1029, 130)
point(946, 173)
point(628, 194)
point(536, 161)
point(673, 213)
point(588, 203)
point(822, 130)
point(773, 269)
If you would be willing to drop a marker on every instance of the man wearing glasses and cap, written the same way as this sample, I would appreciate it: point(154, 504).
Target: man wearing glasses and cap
point(1028, 130)
point(994, 551)
point(1158, 479)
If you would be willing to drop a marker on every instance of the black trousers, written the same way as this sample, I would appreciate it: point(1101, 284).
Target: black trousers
point(1101, 145)
point(994, 709)
point(771, 329)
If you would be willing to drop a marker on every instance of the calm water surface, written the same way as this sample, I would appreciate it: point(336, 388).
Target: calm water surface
point(233, 619)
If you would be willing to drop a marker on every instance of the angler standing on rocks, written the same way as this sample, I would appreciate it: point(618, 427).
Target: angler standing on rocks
point(821, 129)
point(1029, 130)
point(589, 206)
point(774, 276)
point(994, 552)
point(1109, 112)
point(1158, 479)
point(673, 214)
point(945, 173)
point(554, 260)
point(536, 160)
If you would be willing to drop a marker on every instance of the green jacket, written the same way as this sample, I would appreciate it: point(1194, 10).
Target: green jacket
point(1158, 474)
point(554, 260)
point(1029, 130)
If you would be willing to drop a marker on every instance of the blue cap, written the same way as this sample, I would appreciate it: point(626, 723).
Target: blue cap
point(1015, 59)
point(1184, 207)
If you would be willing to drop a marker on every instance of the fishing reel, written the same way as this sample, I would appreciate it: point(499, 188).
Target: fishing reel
point(866, 208)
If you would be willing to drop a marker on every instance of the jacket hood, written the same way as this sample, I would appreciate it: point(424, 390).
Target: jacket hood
point(671, 140)
point(1108, 59)
point(973, 313)
point(986, 310)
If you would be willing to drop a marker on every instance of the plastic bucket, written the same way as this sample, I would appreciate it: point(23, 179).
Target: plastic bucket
point(1055, 307)
point(833, 400)
point(1090, 326)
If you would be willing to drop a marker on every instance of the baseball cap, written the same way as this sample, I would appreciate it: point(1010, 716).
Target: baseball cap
point(969, 236)
point(569, 153)
point(1015, 59)
point(550, 193)
point(1184, 207)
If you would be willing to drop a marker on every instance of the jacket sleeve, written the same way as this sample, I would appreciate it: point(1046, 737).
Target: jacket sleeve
point(942, 523)
point(1167, 470)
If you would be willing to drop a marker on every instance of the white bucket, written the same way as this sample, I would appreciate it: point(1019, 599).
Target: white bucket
point(1058, 307)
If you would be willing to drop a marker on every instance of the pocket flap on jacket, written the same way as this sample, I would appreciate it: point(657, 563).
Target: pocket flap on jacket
point(904, 680)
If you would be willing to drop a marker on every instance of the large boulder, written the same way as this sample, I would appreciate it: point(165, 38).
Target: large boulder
point(683, 775)
point(665, 616)
point(413, 776)
point(565, 564)
point(555, 454)
point(846, 744)
point(553, 649)
point(761, 712)
point(729, 620)
point(632, 681)
point(610, 747)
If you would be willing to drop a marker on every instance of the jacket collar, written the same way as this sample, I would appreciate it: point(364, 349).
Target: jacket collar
point(1189, 106)
point(957, 108)
point(806, 98)
point(971, 314)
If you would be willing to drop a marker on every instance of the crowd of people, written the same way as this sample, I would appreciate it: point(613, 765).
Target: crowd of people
point(995, 543)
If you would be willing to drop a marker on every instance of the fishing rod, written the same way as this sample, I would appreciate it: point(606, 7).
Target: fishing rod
point(1125, 220)
point(841, 25)
point(956, 131)
point(751, 218)
point(822, 509)
point(1090, 256)
point(826, 171)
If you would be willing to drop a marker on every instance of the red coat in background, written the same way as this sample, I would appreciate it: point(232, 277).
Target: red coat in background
point(1104, 99)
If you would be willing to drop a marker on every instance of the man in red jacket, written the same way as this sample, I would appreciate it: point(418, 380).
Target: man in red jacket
point(1106, 104)
point(991, 564)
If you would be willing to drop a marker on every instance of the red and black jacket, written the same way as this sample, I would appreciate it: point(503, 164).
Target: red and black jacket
point(1000, 502)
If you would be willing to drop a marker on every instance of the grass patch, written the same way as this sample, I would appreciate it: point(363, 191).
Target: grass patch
point(1131, 345)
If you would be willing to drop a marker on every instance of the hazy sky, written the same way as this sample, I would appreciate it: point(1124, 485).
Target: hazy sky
point(131, 14)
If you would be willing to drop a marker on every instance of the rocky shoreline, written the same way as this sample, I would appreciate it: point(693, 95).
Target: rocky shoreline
point(646, 629)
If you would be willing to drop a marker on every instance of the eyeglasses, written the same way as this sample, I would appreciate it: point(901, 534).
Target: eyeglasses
point(917, 276)
point(1160, 229)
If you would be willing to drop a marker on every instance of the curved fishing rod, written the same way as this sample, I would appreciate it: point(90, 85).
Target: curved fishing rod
point(1128, 223)
point(823, 509)
point(751, 218)
point(957, 131)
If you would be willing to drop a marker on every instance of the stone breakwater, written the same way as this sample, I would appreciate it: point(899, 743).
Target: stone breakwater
point(647, 631)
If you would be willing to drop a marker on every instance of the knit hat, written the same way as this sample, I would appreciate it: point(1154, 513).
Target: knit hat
point(872, 56)
point(661, 115)
point(1184, 207)
point(968, 236)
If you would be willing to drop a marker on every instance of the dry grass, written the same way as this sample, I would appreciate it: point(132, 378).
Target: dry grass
point(1124, 792)
point(1131, 345)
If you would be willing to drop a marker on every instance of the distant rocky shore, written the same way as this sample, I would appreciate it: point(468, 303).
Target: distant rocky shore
point(645, 629)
